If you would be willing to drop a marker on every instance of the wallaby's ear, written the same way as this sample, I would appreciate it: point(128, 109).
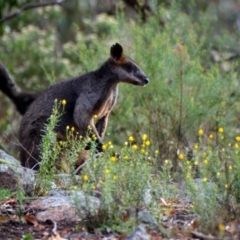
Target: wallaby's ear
point(116, 52)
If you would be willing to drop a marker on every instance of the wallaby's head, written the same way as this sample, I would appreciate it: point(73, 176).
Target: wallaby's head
point(125, 68)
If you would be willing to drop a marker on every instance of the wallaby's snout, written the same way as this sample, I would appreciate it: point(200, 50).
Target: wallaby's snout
point(145, 81)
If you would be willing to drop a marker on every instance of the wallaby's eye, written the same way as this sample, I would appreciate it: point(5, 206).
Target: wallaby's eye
point(129, 67)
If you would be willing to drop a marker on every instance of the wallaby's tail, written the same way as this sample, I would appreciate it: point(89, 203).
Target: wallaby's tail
point(21, 100)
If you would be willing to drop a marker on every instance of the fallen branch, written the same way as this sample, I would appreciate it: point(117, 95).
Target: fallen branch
point(31, 6)
point(204, 236)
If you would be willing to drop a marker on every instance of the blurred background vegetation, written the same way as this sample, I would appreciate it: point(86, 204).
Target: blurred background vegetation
point(189, 50)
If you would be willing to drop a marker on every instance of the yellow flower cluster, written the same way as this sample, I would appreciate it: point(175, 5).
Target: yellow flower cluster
point(106, 146)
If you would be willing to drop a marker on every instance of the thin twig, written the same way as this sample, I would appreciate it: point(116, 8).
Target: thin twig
point(30, 6)
point(85, 162)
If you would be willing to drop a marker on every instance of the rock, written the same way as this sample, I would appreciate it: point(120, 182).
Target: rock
point(9, 159)
point(13, 176)
point(140, 233)
point(145, 217)
point(147, 198)
point(64, 205)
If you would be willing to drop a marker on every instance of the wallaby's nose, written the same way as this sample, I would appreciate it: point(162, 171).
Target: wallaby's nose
point(146, 80)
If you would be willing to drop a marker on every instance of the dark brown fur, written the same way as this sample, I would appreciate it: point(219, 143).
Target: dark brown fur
point(94, 93)
point(22, 100)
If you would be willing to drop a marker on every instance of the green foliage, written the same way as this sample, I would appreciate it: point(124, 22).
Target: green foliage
point(49, 151)
point(28, 236)
point(57, 155)
point(183, 94)
point(187, 92)
point(4, 193)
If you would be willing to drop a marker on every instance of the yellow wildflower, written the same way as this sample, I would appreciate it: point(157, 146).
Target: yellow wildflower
point(196, 146)
point(107, 171)
point(205, 179)
point(85, 177)
point(126, 157)
point(166, 161)
point(67, 127)
point(238, 138)
point(206, 161)
point(221, 227)
point(220, 130)
point(131, 139)
point(200, 132)
point(226, 185)
point(95, 116)
point(72, 129)
point(236, 145)
point(181, 156)
point(210, 136)
point(230, 167)
point(135, 147)
point(196, 163)
point(156, 152)
point(144, 137)
point(64, 102)
point(218, 174)
point(114, 177)
point(104, 147)
point(113, 159)
point(147, 143)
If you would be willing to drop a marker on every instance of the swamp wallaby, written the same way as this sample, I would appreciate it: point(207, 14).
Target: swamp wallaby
point(94, 93)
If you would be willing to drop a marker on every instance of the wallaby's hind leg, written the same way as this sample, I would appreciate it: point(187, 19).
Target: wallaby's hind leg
point(101, 126)
point(30, 158)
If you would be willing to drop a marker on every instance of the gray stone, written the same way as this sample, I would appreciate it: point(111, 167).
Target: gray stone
point(65, 205)
point(13, 176)
point(140, 233)
point(145, 217)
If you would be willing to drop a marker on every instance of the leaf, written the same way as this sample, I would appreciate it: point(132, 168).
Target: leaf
point(33, 220)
